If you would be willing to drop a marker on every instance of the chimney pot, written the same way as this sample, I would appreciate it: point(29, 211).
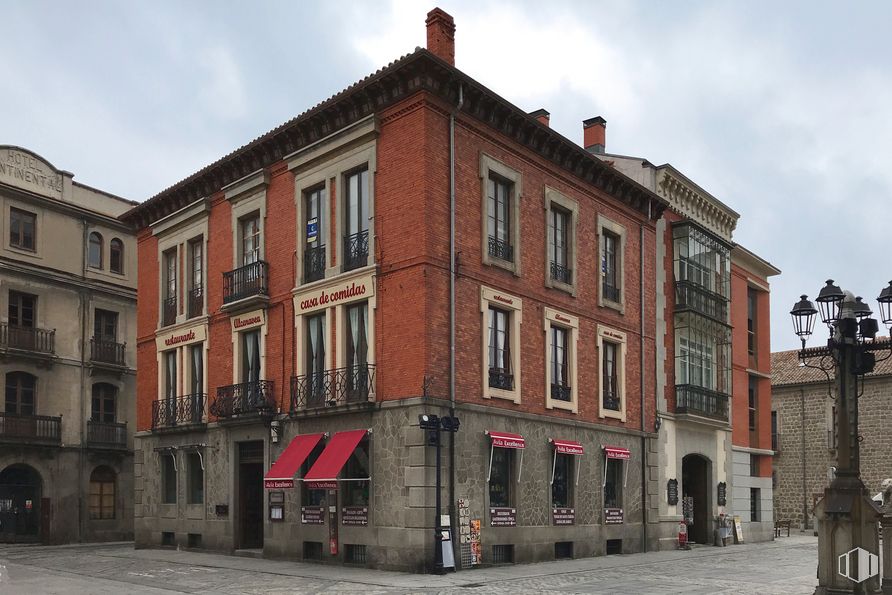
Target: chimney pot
point(543, 116)
point(594, 135)
point(441, 35)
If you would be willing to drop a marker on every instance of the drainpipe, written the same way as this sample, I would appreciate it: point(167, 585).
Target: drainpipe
point(452, 520)
point(641, 387)
point(85, 314)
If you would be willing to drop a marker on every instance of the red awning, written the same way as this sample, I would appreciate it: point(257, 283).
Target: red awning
point(281, 474)
point(567, 447)
point(324, 474)
point(615, 452)
point(506, 440)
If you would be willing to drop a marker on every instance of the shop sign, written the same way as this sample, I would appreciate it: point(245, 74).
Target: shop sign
point(247, 321)
point(355, 515)
point(672, 492)
point(273, 484)
point(722, 493)
point(322, 485)
point(312, 230)
point(26, 170)
point(183, 336)
point(502, 517)
point(615, 452)
point(312, 515)
point(328, 297)
point(563, 516)
point(613, 516)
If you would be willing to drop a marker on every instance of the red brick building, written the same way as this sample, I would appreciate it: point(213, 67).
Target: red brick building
point(295, 309)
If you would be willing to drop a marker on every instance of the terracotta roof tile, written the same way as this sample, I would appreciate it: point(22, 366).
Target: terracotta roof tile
point(785, 368)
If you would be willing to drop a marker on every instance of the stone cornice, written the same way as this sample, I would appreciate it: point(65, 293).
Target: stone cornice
point(691, 201)
point(419, 71)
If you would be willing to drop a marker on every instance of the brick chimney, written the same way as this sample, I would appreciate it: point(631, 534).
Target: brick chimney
point(594, 135)
point(441, 35)
point(541, 115)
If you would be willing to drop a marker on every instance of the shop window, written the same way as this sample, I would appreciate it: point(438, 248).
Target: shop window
point(103, 402)
point(500, 199)
point(562, 484)
point(21, 393)
point(194, 479)
point(116, 256)
point(500, 477)
point(561, 217)
point(356, 473)
point(613, 484)
point(22, 229)
point(102, 494)
point(501, 340)
point(94, 251)
point(311, 497)
point(168, 478)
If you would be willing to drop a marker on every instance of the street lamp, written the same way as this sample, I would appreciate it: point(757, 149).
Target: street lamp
point(434, 425)
point(847, 517)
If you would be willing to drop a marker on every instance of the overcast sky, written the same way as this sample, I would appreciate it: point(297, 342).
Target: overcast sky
point(782, 110)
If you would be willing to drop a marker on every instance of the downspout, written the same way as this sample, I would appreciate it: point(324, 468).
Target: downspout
point(641, 382)
point(83, 439)
point(452, 520)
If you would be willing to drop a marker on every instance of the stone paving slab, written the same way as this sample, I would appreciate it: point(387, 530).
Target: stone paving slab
point(784, 566)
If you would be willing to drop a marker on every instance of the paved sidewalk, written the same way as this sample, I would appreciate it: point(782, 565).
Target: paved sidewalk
point(783, 566)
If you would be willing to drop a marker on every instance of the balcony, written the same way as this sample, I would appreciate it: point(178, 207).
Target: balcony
point(195, 301)
point(690, 296)
point(106, 434)
point(697, 400)
point(561, 273)
point(314, 264)
point(28, 339)
point(249, 281)
point(610, 292)
point(501, 379)
point(501, 249)
point(30, 429)
point(560, 392)
point(168, 311)
point(356, 250)
point(611, 401)
point(247, 398)
point(107, 352)
point(331, 388)
point(182, 411)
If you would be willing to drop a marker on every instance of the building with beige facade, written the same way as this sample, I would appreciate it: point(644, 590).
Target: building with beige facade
point(67, 327)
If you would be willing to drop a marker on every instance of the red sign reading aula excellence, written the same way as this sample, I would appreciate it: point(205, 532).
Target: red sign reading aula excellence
point(278, 483)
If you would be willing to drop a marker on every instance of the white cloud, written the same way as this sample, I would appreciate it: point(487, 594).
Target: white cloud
point(222, 93)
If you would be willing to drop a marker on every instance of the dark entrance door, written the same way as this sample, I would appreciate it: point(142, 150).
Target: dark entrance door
point(250, 495)
point(694, 482)
point(19, 504)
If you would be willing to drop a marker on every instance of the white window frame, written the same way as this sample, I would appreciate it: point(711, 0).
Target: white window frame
point(620, 339)
point(571, 207)
point(514, 306)
point(570, 323)
point(489, 165)
point(620, 232)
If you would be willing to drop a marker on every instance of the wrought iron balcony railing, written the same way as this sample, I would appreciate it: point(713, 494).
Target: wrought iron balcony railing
point(331, 388)
point(195, 301)
point(356, 250)
point(27, 338)
point(560, 392)
point(169, 311)
point(697, 400)
point(247, 281)
point(499, 378)
point(42, 429)
point(611, 401)
point(106, 434)
point(244, 399)
point(501, 249)
point(690, 296)
point(561, 273)
point(187, 410)
point(610, 292)
point(107, 352)
point(314, 263)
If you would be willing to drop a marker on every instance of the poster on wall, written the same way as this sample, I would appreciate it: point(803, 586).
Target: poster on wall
point(312, 230)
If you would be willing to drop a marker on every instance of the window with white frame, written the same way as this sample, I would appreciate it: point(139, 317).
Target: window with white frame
point(612, 373)
point(561, 334)
point(500, 199)
point(500, 365)
point(501, 320)
point(560, 363)
point(356, 219)
point(612, 240)
point(315, 359)
point(358, 375)
point(249, 232)
point(561, 214)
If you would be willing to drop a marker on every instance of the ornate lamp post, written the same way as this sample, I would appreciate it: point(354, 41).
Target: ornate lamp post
point(848, 543)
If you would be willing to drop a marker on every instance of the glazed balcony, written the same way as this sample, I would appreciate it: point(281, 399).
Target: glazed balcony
point(107, 352)
point(314, 264)
point(106, 434)
point(691, 296)
point(700, 401)
point(30, 429)
point(246, 398)
point(29, 339)
point(356, 250)
point(247, 283)
point(175, 412)
point(331, 388)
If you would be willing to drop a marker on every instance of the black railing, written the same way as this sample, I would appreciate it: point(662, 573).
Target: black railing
point(561, 273)
point(499, 378)
point(501, 249)
point(775, 442)
point(560, 392)
point(690, 296)
point(27, 338)
point(611, 401)
point(331, 388)
point(356, 250)
point(245, 398)
point(178, 411)
point(106, 352)
point(697, 400)
point(169, 311)
point(609, 292)
point(30, 428)
point(195, 301)
point(247, 281)
point(314, 263)
point(107, 434)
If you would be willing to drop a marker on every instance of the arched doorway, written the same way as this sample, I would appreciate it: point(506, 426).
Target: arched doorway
point(694, 483)
point(20, 492)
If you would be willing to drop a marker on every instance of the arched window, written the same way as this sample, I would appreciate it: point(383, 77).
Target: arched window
point(116, 256)
point(94, 254)
point(104, 397)
point(21, 393)
point(102, 493)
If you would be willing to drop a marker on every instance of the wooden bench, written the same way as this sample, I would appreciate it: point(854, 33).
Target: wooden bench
point(780, 525)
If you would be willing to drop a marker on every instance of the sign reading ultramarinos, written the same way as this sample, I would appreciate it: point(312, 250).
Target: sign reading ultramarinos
point(27, 171)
